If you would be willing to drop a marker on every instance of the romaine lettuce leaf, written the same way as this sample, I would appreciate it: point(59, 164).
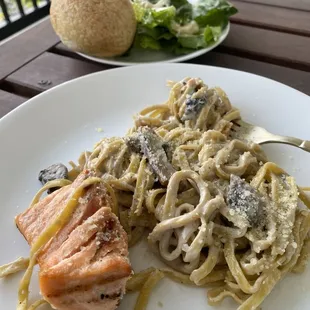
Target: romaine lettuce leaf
point(147, 42)
point(213, 12)
point(209, 36)
point(156, 33)
point(163, 16)
point(153, 38)
point(154, 17)
point(184, 11)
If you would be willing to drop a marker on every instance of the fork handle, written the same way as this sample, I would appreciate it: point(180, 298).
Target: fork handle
point(302, 144)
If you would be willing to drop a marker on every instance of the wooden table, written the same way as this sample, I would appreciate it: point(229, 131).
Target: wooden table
point(268, 37)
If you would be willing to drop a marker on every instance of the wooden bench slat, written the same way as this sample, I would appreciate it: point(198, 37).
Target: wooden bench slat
point(9, 101)
point(267, 45)
point(28, 45)
point(269, 17)
point(49, 70)
point(293, 4)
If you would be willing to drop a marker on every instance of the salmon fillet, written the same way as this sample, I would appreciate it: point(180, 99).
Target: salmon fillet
point(85, 265)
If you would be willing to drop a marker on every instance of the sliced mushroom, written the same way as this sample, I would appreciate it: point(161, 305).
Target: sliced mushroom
point(148, 143)
point(246, 201)
point(193, 108)
point(168, 148)
point(51, 173)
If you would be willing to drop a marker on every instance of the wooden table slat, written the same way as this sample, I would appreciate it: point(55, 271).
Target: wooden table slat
point(63, 50)
point(58, 69)
point(49, 70)
point(25, 47)
point(293, 4)
point(267, 45)
point(297, 79)
point(282, 19)
point(9, 101)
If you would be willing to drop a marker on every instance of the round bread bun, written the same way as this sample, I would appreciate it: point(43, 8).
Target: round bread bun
point(101, 28)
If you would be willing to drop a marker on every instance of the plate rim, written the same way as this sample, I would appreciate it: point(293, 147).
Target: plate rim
point(194, 54)
point(31, 101)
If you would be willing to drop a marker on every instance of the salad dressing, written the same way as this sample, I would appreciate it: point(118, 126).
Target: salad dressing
point(188, 29)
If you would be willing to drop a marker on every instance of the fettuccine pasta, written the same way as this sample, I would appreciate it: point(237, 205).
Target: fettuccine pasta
point(201, 221)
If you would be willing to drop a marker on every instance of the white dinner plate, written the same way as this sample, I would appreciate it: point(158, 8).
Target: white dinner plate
point(59, 124)
point(140, 56)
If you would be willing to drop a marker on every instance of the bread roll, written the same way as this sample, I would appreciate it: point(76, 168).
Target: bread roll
point(101, 28)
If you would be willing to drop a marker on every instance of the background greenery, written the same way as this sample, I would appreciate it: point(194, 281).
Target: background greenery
point(13, 9)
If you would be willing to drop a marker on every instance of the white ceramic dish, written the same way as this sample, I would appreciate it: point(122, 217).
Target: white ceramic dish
point(58, 124)
point(142, 56)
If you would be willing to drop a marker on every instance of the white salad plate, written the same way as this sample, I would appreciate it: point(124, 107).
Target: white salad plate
point(140, 56)
point(59, 124)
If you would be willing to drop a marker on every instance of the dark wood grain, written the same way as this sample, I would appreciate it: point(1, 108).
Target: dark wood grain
point(63, 50)
point(269, 17)
point(9, 101)
point(49, 70)
point(267, 45)
point(297, 79)
point(293, 4)
point(25, 47)
point(58, 69)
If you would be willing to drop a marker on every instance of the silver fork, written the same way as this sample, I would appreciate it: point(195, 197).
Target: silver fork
point(245, 131)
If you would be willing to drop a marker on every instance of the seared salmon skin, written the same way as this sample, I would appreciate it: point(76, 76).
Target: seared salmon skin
point(85, 266)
